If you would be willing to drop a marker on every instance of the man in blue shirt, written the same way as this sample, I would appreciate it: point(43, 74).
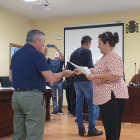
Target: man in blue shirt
point(83, 87)
point(28, 73)
point(56, 66)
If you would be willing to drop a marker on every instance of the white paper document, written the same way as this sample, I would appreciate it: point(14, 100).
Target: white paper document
point(6, 88)
point(48, 87)
point(84, 70)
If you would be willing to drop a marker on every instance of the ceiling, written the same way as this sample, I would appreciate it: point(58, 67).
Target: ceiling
point(68, 8)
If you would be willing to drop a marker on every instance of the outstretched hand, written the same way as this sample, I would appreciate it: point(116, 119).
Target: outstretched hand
point(90, 77)
point(67, 73)
point(77, 72)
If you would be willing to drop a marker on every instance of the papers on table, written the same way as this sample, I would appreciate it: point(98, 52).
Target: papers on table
point(11, 88)
point(84, 70)
point(6, 88)
point(48, 87)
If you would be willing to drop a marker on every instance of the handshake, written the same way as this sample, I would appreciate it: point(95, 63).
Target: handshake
point(67, 73)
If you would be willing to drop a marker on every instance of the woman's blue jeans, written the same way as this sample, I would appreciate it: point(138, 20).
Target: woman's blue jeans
point(84, 89)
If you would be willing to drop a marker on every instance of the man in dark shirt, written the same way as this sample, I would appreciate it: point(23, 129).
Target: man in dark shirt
point(83, 87)
point(56, 67)
point(70, 93)
point(28, 73)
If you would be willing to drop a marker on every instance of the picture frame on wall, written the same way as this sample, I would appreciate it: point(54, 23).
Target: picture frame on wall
point(13, 48)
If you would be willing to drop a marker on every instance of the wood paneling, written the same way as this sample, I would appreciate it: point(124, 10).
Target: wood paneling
point(7, 114)
point(132, 107)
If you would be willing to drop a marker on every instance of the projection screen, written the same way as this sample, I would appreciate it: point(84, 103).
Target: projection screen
point(73, 35)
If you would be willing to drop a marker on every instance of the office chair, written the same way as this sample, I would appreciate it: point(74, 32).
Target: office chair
point(5, 81)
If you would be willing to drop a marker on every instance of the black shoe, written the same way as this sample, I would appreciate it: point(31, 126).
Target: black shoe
point(61, 112)
point(82, 132)
point(54, 112)
point(94, 133)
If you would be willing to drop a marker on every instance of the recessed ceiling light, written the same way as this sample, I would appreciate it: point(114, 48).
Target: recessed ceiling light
point(29, 0)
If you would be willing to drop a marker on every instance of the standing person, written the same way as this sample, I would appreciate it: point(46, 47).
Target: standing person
point(71, 94)
point(28, 73)
point(72, 98)
point(83, 87)
point(56, 67)
point(110, 90)
point(68, 82)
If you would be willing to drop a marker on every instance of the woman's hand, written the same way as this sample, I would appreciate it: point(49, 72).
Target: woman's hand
point(102, 76)
point(90, 77)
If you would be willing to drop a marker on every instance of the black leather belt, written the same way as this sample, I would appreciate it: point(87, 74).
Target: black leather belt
point(27, 89)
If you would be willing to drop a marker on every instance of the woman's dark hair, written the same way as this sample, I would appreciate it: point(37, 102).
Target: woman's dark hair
point(85, 39)
point(111, 38)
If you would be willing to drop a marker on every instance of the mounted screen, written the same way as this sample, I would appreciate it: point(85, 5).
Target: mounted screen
point(74, 34)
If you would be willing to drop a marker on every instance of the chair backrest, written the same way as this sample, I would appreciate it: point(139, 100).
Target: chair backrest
point(5, 81)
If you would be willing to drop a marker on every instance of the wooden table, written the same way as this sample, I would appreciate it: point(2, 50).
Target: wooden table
point(7, 114)
point(132, 107)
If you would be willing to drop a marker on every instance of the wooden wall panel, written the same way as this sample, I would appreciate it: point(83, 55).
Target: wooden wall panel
point(132, 107)
point(7, 114)
point(137, 104)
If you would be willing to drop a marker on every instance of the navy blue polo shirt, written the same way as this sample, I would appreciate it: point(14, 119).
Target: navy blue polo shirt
point(81, 57)
point(55, 65)
point(27, 65)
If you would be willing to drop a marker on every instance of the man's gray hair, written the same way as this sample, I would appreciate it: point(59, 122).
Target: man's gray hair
point(33, 34)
